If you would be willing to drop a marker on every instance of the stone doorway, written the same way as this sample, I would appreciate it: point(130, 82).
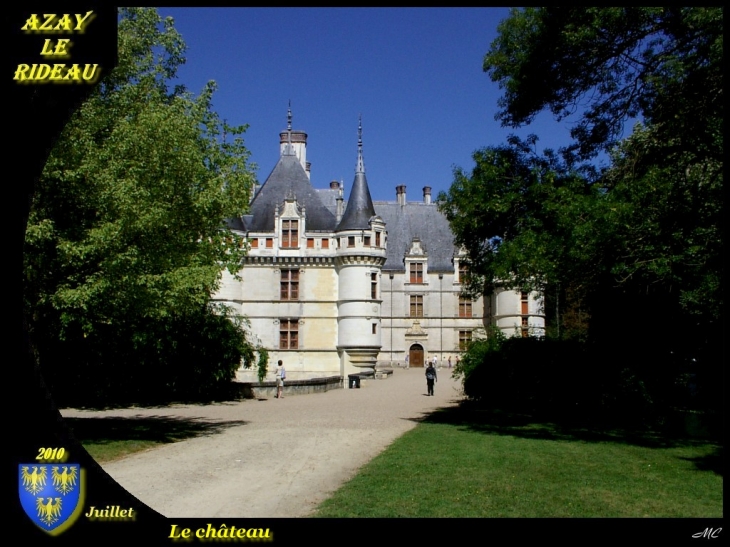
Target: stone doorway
point(415, 355)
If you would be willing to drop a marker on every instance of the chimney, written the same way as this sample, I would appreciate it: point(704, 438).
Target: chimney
point(298, 140)
point(340, 199)
point(400, 194)
point(427, 195)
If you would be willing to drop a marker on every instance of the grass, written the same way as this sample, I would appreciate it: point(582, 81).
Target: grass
point(459, 464)
point(114, 450)
point(467, 463)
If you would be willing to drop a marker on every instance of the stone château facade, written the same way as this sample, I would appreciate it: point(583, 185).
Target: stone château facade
point(336, 287)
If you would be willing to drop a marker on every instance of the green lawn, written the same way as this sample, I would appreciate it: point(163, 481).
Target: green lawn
point(463, 463)
point(110, 451)
point(456, 467)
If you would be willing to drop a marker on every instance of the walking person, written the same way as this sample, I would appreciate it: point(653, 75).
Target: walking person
point(431, 377)
point(449, 361)
point(406, 360)
point(280, 377)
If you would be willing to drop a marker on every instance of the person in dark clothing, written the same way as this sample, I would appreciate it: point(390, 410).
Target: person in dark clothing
point(430, 378)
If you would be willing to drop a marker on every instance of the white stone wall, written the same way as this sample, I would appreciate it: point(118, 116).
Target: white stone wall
point(257, 297)
point(440, 323)
point(506, 312)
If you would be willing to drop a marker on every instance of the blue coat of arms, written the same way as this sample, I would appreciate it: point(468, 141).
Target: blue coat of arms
point(51, 494)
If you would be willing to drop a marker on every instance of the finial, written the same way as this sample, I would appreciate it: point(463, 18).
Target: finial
point(359, 132)
point(288, 150)
point(360, 163)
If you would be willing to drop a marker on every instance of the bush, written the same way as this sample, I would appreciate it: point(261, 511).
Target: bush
point(187, 357)
point(568, 380)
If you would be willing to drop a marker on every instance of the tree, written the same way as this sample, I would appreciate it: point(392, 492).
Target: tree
point(126, 240)
point(638, 246)
point(662, 192)
point(518, 214)
point(662, 64)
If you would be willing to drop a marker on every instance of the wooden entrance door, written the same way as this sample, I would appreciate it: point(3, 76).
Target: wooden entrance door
point(415, 355)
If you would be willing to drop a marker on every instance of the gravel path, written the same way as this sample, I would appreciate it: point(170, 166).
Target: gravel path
point(274, 457)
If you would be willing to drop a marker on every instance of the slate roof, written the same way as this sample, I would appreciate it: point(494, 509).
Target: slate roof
point(359, 208)
point(421, 220)
point(288, 178)
point(403, 222)
point(329, 198)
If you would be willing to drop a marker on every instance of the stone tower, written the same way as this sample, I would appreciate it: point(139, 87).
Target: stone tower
point(361, 252)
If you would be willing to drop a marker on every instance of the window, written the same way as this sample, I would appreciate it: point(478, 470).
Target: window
point(464, 339)
point(367, 241)
point(290, 284)
point(525, 328)
point(377, 239)
point(464, 307)
point(269, 242)
point(288, 334)
point(255, 243)
point(375, 328)
point(290, 233)
point(524, 301)
point(416, 305)
point(325, 243)
point(462, 271)
point(350, 241)
point(416, 269)
point(310, 243)
point(373, 285)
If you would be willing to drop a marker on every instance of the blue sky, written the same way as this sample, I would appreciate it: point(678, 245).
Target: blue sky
point(414, 74)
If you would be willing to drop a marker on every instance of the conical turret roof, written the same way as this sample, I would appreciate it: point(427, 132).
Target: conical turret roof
point(360, 208)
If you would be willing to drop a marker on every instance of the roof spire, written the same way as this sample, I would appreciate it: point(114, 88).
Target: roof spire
point(360, 208)
point(360, 163)
point(288, 150)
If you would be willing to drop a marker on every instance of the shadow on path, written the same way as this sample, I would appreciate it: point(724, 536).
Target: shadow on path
point(498, 422)
point(161, 429)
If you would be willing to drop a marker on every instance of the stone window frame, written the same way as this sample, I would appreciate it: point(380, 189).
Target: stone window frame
point(465, 337)
point(416, 272)
point(466, 307)
point(289, 284)
point(289, 233)
point(415, 304)
point(288, 334)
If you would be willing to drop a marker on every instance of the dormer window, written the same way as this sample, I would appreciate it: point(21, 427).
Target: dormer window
point(416, 262)
point(290, 233)
point(463, 270)
point(416, 271)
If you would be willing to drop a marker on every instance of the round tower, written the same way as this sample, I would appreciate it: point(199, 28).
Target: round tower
point(361, 247)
